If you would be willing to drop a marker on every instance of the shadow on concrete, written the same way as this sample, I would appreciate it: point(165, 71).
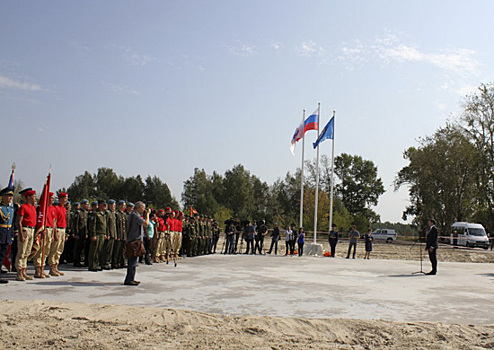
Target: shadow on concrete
point(408, 275)
point(77, 284)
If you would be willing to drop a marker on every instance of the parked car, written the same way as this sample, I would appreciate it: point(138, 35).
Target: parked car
point(385, 234)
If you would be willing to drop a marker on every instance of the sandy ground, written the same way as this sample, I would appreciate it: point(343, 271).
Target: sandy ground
point(53, 325)
point(36, 324)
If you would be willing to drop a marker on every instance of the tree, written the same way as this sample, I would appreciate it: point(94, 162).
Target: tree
point(107, 184)
point(83, 187)
point(478, 123)
point(359, 186)
point(441, 176)
point(239, 196)
point(198, 193)
point(157, 193)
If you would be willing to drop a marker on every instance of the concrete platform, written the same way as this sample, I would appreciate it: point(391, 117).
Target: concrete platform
point(286, 287)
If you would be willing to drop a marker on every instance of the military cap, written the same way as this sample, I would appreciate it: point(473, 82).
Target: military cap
point(68, 202)
point(84, 201)
point(101, 201)
point(51, 194)
point(120, 202)
point(9, 191)
point(94, 203)
point(62, 195)
point(130, 204)
point(111, 201)
point(161, 211)
point(76, 203)
point(23, 192)
point(30, 193)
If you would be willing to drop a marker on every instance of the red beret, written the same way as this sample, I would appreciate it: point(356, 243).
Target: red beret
point(51, 194)
point(161, 211)
point(62, 195)
point(30, 193)
point(168, 208)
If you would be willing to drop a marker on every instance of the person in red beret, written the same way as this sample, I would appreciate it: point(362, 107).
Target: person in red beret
point(26, 220)
point(58, 243)
point(41, 254)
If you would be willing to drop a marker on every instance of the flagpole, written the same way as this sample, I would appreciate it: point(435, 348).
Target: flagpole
point(317, 176)
point(302, 175)
point(332, 182)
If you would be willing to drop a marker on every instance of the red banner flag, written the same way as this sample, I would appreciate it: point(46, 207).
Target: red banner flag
point(44, 201)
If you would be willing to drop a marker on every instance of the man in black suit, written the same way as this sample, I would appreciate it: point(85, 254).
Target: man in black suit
point(432, 245)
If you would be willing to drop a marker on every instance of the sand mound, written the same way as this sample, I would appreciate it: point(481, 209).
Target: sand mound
point(43, 324)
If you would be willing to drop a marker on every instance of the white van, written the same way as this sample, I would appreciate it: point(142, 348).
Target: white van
point(469, 235)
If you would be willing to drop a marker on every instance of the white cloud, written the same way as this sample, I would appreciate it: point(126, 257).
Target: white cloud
point(467, 90)
point(311, 49)
point(389, 48)
point(123, 89)
point(136, 59)
point(458, 60)
point(7, 83)
point(242, 50)
point(276, 46)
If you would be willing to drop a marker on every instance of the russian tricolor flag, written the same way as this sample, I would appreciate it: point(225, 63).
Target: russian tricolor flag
point(310, 123)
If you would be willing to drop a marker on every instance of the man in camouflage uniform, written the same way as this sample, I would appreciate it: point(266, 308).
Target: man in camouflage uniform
point(193, 236)
point(68, 250)
point(111, 234)
point(121, 235)
point(80, 232)
point(97, 233)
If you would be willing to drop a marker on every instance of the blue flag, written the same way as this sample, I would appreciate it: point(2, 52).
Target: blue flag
point(326, 133)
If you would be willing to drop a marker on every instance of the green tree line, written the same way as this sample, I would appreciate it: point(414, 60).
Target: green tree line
point(240, 194)
point(106, 184)
point(450, 175)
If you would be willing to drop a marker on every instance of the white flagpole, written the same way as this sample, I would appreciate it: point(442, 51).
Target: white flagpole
point(332, 182)
point(302, 175)
point(317, 175)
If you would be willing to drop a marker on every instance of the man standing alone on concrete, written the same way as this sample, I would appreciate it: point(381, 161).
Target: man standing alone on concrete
point(135, 231)
point(353, 235)
point(432, 245)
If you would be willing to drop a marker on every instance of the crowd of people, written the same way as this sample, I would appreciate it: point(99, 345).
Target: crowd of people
point(96, 235)
point(101, 235)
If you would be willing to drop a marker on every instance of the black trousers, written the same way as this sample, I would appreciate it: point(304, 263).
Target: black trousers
point(274, 243)
point(3, 251)
point(292, 247)
point(147, 246)
point(354, 245)
point(332, 244)
point(259, 244)
point(433, 259)
point(250, 244)
point(300, 249)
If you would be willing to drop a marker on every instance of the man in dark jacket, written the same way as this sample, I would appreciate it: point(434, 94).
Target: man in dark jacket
point(432, 245)
point(275, 237)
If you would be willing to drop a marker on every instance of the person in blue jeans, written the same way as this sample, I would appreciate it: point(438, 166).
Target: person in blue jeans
point(301, 241)
point(353, 235)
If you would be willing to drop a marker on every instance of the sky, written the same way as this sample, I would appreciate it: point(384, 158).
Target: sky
point(163, 87)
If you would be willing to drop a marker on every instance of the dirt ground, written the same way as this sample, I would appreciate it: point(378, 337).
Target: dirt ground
point(52, 325)
point(37, 324)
